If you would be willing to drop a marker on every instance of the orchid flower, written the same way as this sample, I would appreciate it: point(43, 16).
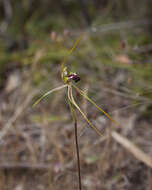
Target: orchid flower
point(68, 78)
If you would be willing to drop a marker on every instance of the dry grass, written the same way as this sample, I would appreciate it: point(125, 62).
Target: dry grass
point(37, 145)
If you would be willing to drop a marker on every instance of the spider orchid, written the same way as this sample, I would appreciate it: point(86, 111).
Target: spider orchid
point(68, 78)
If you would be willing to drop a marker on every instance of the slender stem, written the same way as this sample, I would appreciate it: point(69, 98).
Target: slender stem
point(77, 152)
point(76, 134)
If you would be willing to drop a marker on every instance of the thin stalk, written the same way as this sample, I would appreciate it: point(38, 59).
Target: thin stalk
point(76, 137)
point(77, 152)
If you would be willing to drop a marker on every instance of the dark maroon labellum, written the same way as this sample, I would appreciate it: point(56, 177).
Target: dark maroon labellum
point(74, 77)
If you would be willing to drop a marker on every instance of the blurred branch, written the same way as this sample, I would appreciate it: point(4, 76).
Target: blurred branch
point(129, 96)
point(143, 49)
point(39, 166)
point(18, 113)
point(132, 148)
point(84, 9)
point(8, 16)
point(120, 25)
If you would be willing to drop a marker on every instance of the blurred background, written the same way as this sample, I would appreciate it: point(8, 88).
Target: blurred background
point(114, 62)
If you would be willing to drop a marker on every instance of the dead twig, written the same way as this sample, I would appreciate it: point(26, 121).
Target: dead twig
point(132, 148)
point(18, 112)
point(120, 26)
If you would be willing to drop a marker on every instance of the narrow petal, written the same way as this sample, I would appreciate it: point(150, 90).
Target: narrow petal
point(70, 51)
point(49, 92)
point(71, 98)
point(100, 109)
